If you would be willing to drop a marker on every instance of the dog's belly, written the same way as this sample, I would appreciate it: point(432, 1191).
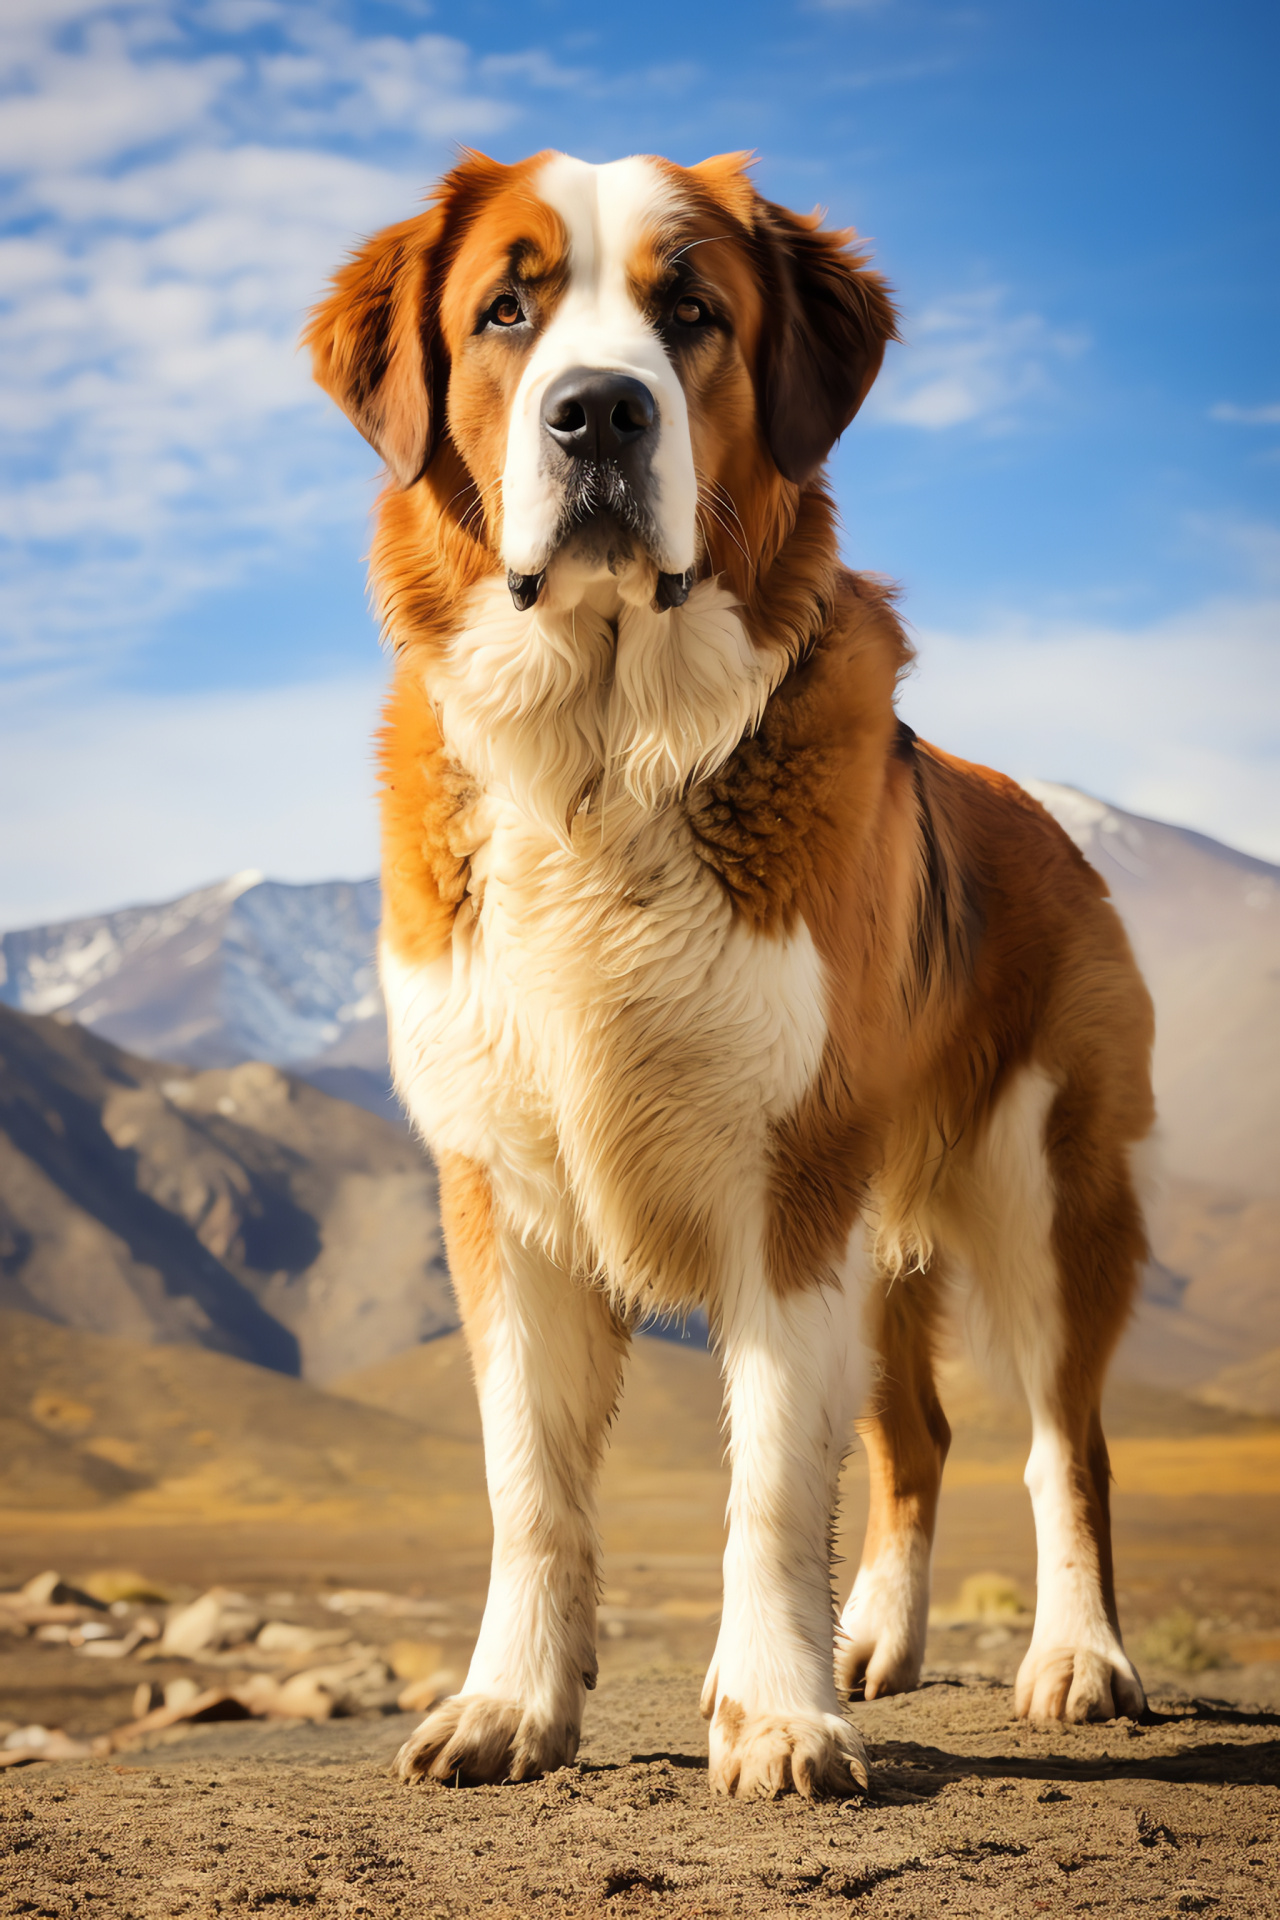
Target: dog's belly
point(611, 1043)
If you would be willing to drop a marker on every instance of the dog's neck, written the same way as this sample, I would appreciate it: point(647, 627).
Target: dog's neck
point(561, 710)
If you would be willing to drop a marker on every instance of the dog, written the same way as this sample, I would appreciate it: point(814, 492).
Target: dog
point(709, 985)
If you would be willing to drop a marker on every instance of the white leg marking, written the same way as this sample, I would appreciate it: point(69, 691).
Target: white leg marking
point(886, 1618)
point(1075, 1668)
point(775, 1718)
point(548, 1365)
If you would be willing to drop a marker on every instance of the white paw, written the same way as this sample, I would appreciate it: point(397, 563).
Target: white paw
point(762, 1755)
point(1077, 1683)
point(473, 1739)
point(880, 1639)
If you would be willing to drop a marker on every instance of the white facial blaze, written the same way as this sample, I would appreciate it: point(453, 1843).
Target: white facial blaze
point(607, 211)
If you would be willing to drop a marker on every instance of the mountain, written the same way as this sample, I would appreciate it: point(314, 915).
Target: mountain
point(250, 969)
point(234, 1208)
point(1205, 925)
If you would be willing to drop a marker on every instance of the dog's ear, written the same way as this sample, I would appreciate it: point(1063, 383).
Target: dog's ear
point(375, 343)
point(830, 317)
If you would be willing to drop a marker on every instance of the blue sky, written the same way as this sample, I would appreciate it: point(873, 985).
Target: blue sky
point(1070, 464)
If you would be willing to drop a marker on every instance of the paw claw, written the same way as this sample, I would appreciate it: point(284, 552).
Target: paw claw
point(877, 1657)
point(1077, 1684)
point(478, 1740)
point(817, 1755)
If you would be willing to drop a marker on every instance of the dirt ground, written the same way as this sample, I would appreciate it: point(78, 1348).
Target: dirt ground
point(971, 1813)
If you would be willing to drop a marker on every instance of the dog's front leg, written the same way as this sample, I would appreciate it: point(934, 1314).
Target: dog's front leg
point(548, 1359)
point(791, 1365)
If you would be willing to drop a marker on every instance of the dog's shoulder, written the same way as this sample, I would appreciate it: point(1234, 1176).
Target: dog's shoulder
point(802, 798)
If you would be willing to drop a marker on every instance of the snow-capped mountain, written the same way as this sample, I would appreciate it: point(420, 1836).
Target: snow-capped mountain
point(249, 969)
point(1205, 925)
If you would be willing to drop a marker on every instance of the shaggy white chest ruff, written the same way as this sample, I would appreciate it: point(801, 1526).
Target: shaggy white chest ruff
point(602, 1033)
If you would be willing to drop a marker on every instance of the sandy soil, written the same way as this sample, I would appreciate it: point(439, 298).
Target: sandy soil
point(971, 1813)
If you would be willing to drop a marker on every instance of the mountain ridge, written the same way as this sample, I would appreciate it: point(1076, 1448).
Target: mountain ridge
point(238, 1208)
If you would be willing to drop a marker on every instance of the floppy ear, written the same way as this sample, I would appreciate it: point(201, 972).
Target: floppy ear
point(375, 344)
point(823, 340)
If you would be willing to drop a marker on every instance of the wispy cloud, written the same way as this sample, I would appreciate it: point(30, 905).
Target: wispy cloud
point(175, 185)
point(972, 359)
point(1178, 719)
point(1265, 416)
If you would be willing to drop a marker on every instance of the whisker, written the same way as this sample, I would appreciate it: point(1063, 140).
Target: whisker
point(711, 506)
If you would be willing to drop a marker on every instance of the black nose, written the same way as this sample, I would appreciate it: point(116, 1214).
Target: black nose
point(595, 415)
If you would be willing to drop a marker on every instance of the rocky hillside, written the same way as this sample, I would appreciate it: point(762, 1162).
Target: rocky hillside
point(249, 969)
point(234, 1208)
point(87, 1421)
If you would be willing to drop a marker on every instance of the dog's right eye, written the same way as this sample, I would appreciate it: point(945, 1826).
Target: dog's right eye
point(506, 311)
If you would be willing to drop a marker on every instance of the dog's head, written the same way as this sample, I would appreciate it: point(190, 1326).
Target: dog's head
point(638, 364)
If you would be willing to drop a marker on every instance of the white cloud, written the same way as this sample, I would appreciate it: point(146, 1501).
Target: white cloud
point(1178, 720)
point(169, 208)
point(141, 798)
point(1267, 416)
point(969, 358)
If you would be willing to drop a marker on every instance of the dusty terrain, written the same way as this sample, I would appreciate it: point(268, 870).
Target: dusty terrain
point(969, 1812)
point(293, 1497)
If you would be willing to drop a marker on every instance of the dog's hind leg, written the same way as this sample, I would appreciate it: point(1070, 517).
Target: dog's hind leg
point(791, 1366)
point(1054, 1236)
point(880, 1643)
point(548, 1361)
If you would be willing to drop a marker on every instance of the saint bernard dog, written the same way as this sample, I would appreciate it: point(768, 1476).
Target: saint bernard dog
point(709, 984)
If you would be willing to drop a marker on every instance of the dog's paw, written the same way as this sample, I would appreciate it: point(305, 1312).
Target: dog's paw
point(1077, 1683)
point(763, 1755)
point(475, 1739)
point(875, 1656)
point(882, 1631)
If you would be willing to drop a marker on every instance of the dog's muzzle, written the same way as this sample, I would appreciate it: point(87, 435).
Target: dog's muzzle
point(604, 428)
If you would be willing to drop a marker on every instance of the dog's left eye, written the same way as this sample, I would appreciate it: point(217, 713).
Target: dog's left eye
point(691, 313)
point(506, 311)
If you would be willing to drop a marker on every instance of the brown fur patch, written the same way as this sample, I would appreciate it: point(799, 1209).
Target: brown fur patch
point(423, 879)
point(730, 1719)
point(466, 1213)
point(906, 1434)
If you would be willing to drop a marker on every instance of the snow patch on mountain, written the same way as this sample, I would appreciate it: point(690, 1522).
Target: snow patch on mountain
point(248, 969)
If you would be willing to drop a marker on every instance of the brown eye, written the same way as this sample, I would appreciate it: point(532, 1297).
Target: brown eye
point(690, 313)
point(505, 312)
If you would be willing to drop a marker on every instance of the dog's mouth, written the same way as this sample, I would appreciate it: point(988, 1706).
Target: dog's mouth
point(604, 528)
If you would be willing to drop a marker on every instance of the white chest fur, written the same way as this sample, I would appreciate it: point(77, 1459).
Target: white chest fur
point(611, 1043)
point(603, 1034)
